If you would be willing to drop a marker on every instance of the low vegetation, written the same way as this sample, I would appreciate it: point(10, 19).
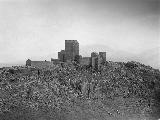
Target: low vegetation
point(118, 91)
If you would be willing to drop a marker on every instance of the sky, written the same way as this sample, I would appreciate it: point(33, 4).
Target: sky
point(128, 30)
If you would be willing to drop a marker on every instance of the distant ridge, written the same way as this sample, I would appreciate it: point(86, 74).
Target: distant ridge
point(9, 65)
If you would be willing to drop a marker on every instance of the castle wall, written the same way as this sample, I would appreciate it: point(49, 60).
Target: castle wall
point(85, 61)
point(41, 64)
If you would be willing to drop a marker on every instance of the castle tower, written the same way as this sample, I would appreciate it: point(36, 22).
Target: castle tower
point(103, 56)
point(71, 49)
point(61, 56)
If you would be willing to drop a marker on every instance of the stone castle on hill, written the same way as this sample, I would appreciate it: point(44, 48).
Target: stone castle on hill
point(71, 53)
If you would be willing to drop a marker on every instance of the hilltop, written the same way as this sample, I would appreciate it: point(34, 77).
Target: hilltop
point(117, 91)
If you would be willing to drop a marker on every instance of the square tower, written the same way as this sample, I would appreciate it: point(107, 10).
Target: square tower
point(71, 49)
point(61, 56)
point(103, 56)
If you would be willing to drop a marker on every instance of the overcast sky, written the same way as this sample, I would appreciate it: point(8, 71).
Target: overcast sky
point(37, 29)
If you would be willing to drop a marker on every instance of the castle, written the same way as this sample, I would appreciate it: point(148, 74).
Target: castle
point(71, 53)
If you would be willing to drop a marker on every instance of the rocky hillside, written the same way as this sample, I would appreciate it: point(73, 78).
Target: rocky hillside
point(118, 91)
